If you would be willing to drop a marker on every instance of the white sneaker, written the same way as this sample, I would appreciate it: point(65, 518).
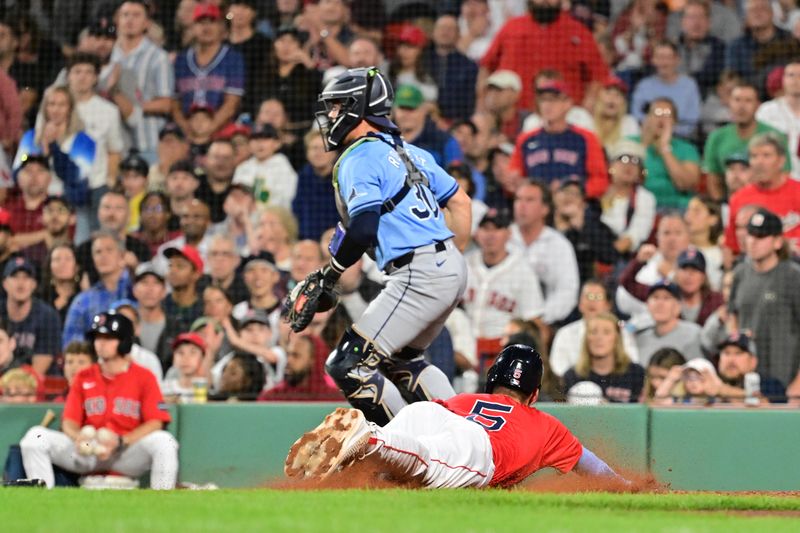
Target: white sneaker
point(343, 436)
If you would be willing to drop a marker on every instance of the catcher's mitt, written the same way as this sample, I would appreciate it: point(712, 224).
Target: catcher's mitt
point(313, 295)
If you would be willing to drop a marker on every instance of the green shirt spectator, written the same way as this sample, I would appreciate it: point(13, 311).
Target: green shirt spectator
point(658, 180)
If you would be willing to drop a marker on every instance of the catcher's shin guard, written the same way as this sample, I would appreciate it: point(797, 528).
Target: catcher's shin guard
point(418, 380)
point(354, 368)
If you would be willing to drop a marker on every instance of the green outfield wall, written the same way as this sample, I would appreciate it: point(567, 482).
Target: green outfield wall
point(244, 445)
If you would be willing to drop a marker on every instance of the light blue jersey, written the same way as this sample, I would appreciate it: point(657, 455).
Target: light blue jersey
point(372, 172)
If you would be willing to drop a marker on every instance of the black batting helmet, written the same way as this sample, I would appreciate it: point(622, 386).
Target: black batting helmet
point(114, 324)
point(364, 94)
point(517, 367)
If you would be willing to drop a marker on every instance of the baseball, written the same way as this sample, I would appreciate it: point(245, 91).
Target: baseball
point(100, 449)
point(106, 436)
point(88, 433)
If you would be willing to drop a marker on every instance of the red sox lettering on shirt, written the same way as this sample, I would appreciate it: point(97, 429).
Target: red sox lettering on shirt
point(121, 403)
point(523, 438)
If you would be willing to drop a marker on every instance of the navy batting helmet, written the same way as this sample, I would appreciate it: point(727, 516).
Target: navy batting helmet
point(517, 367)
point(114, 324)
point(364, 94)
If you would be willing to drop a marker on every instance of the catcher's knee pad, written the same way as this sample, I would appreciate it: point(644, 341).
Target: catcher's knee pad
point(354, 368)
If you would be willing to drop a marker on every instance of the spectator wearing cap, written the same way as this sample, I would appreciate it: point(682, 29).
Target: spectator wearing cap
point(314, 204)
point(500, 99)
point(764, 298)
point(34, 325)
point(652, 264)
point(781, 112)
point(149, 290)
point(668, 82)
point(172, 147)
point(240, 218)
point(558, 151)
point(102, 121)
point(184, 272)
point(239, 135)
point(770, 188)
point(569, 44)
point(195, 225)
point(220, 164)
point(580, 223)
point(629, 209)
point(548, 252)
point(191, 361)
point(62, 278)
point(154, 76)
point(702, 55)
point(411, 114)
point(566, 348)
point(737, 172)
point(260, 275)
point(139, 354)
point(114, 283)
point(113, 214)
point(133, 176)
point(576, 115)
point(409, 67)
point(268, 173)
point(255, 338)
point(58, 218)
point(242, 17)
point(180, 186)
point(733, 138)
point(501, 286)
point(295, 82)
point(604, 361)
point(223, 267)
point(668, 330)
point(454, 73)
point(611, 121)
point(304, 378)
point(154, 218)
point(672, 164)
point(65, 155)
point(698, 300)
point(209, 72)
point(736, 358)
point(693, 383)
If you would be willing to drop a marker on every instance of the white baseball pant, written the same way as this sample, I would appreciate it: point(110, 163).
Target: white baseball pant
point(157, 452)
point(444, 449)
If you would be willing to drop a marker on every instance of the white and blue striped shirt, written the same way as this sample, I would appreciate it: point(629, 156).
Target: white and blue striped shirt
point(155, 79)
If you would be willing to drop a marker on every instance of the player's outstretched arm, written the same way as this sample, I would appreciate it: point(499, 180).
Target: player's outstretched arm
point(591, 465)
point(458, 215)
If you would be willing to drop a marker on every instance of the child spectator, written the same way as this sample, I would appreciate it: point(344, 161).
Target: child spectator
point(77, 356)
point(268, 172)
point(133, 171)
point(190, 361)
point(603, 361)
point(18, 386)
point(694, 383)
point(658, 370)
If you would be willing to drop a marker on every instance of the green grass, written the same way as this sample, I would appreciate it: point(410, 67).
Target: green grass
point(350, 511)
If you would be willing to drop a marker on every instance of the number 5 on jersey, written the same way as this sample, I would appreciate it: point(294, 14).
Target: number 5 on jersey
point(489, 414)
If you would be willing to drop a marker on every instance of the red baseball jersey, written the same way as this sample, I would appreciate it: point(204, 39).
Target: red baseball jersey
point(783, 201)
point(121, 403)
point(523, 438)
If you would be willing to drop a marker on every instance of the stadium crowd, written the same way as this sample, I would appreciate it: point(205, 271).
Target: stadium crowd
point(633, 167)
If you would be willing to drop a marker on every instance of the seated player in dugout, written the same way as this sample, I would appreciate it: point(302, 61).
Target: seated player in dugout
point(471, 440)
point(113, 420)
point(394, 199)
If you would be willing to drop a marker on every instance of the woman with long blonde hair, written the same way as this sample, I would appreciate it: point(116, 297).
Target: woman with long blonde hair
point(603, 361)
point(612, 123)
point(59, 135)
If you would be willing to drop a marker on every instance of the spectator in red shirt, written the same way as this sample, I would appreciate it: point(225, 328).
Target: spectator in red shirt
point(771, 188)
point(521, 43)
point(25, 208)
point(304, 375)
point(559, 152)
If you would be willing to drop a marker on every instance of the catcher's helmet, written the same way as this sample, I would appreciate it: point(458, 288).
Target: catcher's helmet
point(517, 367)
point(114, 324)
point(364, 94)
